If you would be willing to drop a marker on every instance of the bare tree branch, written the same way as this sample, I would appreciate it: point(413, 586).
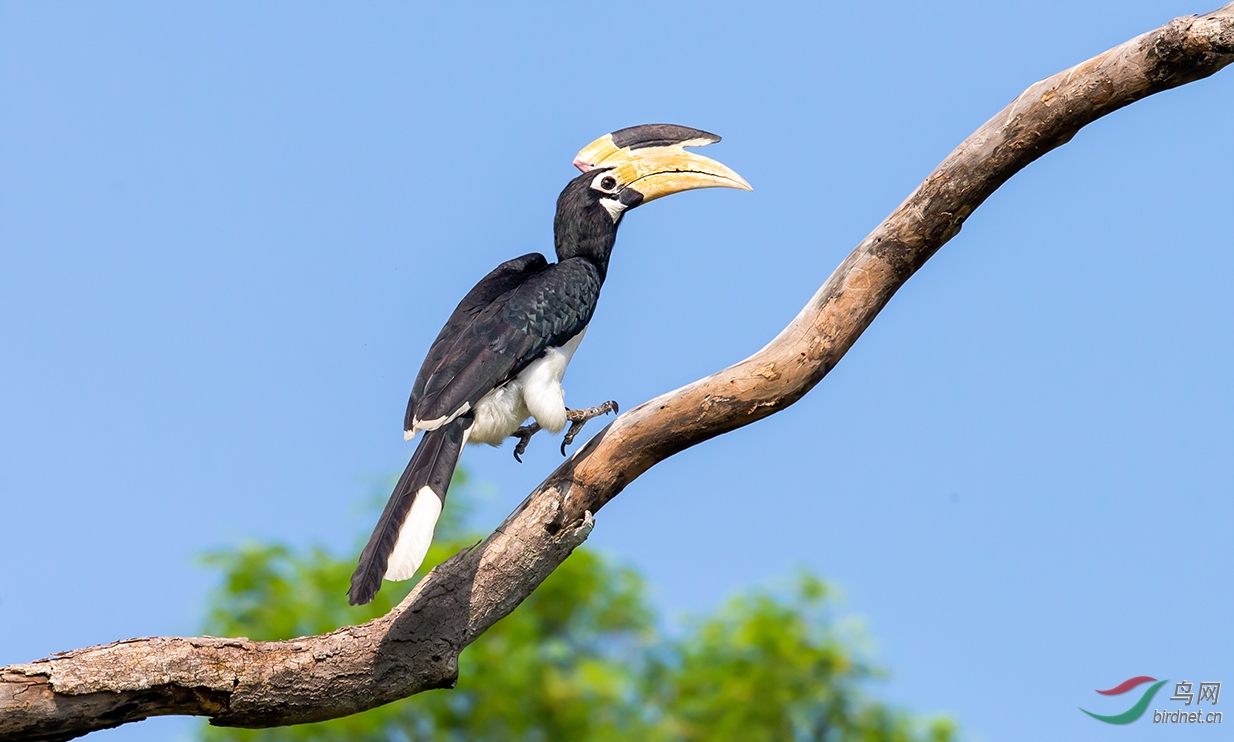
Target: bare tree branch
point(415, 647)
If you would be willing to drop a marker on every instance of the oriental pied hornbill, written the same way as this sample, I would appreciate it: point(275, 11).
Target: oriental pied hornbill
point(502, 354)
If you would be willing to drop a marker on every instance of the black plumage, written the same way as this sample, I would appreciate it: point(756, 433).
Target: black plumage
point(502, 353)
point(505, 322)
point(431, 466)
point(501, 280)
point(497, 342)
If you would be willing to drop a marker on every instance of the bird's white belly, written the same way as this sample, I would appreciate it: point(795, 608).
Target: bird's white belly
point(535, 392)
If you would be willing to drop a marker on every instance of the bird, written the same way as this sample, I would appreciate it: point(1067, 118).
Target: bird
point(502, 355)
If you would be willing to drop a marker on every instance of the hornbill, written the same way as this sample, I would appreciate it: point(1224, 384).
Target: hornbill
point(502, 354)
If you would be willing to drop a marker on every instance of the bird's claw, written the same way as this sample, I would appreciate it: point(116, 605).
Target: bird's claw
point(524, 437)
point(578, 418)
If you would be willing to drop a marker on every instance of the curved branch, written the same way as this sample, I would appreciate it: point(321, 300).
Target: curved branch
point(415, 647)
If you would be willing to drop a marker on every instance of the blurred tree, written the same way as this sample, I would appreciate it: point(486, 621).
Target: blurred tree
point(580, 659)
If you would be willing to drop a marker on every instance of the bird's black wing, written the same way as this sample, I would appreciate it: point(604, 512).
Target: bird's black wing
point(543, 311)
point(501, 280)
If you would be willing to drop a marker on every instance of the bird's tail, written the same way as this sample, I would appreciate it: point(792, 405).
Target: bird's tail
point(405, 529)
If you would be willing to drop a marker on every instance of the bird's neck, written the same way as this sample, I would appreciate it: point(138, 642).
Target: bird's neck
point(585, 236)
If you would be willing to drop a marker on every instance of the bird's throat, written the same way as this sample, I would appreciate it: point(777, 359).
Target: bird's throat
point(589, 236)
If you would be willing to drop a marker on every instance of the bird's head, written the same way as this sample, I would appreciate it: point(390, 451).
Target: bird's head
point(626, 169)
point(639, 164)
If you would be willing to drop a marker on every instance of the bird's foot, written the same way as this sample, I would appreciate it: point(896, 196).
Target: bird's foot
point(524, 437)
point(578, 418)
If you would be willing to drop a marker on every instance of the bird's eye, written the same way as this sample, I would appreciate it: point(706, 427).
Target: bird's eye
point(608, 182)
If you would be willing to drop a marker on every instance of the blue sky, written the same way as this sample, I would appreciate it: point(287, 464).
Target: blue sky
point(228, 233)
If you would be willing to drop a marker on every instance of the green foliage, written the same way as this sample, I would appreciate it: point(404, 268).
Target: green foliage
point(581, 660)
point(772, 668)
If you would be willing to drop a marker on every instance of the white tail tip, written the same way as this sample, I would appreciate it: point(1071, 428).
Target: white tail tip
point(415, 536)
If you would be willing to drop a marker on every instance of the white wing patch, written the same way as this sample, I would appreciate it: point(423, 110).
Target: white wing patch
point(418, 424)
point(415, 536)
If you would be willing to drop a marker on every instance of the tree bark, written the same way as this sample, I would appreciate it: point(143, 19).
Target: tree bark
point(415, 647)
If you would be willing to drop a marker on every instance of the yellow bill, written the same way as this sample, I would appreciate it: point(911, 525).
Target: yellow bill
point(652, 159)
